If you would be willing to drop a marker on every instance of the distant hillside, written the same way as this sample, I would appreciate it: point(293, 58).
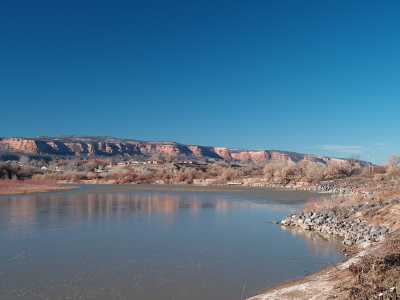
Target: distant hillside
point(92, 146)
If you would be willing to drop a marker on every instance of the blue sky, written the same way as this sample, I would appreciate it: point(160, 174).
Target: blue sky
point(320, 77)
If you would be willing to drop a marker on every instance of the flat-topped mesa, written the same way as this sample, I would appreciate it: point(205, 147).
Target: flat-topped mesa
point(19, 144)
point(222, 152)
point(109, 146)
point(252, 155)
point(262, 155)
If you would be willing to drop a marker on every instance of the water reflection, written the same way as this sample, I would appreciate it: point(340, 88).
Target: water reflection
point(152, 244)
point(314, 239)
point(20, 211)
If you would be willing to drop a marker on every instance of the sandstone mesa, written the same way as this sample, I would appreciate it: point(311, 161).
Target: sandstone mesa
point(109, 146)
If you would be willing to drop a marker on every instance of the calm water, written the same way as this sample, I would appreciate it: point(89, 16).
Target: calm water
point(153, 242)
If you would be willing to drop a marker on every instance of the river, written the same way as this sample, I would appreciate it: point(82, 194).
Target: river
point(153, 242)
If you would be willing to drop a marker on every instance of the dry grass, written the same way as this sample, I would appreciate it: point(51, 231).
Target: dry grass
point(377, 274)
point(28, 185)
point(323, 203)
point(387, 194)
point(388, 216)
point(358, 199)
point(341, 202)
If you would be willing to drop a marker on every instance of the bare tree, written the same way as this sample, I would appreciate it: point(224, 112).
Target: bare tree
point(314, 171)
point(393, 165)
point(273, 168)
point(353, 164)
point(23, 160)
point(287, 173)
point(393, 161)
point(337, 170)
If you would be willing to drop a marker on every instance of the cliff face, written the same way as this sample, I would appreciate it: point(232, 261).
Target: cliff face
point(108, 146)
point(20, 145)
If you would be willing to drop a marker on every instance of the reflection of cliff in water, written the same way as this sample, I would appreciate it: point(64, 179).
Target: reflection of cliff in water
point(25, 210)
point(25, 207)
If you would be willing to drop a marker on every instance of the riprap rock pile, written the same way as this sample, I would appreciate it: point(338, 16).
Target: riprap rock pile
point(353, 231)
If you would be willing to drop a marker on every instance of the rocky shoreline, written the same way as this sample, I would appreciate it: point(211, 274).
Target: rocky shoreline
point(366, 215)
point(330, 186)
point(353, 231)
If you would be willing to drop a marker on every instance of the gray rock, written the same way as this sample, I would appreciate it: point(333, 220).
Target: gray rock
point(374, 229)
point(347, 242)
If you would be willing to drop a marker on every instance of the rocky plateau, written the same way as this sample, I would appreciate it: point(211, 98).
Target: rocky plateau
point(109, 146)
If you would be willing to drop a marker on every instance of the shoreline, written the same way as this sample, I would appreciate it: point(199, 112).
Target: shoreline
point(360, 243)
point(316, 286)
point(38, 190)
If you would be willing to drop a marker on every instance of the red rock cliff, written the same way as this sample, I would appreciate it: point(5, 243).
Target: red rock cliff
point(19, 145)
point(111, 147)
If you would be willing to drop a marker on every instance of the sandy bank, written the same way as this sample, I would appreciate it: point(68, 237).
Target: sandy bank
point(36, 190)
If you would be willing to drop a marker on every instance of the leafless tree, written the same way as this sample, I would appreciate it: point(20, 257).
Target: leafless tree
point(353, 164)
point(273, 168)
point(393, 165)
point(348, 168)
point(24, 160)
point(314, 171)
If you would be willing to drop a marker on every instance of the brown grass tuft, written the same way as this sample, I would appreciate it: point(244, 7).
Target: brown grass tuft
point(323, 203)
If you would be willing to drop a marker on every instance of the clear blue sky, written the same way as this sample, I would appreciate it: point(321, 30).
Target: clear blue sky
point(320, 77)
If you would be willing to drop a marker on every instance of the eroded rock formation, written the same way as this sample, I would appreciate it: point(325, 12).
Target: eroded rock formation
point(109, 146)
